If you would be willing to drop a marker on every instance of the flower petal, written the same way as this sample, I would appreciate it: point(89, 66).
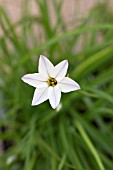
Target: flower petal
point(35, 80)
point(54, 95)
point(45, 66)
point(40, 95)
point(68, 85)
point(60, 70)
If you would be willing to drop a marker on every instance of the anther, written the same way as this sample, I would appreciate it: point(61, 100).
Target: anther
point(52, 82)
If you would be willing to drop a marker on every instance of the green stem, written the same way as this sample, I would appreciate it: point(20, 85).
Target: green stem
point(90, 145)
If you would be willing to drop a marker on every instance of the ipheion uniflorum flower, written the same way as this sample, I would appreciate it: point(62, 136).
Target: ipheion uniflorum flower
point(50, 82)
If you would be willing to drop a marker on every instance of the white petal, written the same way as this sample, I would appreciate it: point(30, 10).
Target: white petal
point(45, 66)
point(60, 70)
point(35, 80)
point(40, 95)
point(68, 85)
point(54, 95)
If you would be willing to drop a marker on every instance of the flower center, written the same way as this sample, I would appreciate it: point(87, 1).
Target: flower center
point(52, 82)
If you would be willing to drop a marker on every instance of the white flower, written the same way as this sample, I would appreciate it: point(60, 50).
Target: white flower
point(50, 82)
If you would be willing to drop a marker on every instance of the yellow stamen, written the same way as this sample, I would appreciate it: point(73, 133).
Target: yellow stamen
point(52, 82)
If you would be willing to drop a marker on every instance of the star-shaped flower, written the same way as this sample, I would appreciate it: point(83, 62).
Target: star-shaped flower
point(50, 82)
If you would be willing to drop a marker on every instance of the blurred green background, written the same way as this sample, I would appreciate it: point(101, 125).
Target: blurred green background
point(80, 135)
